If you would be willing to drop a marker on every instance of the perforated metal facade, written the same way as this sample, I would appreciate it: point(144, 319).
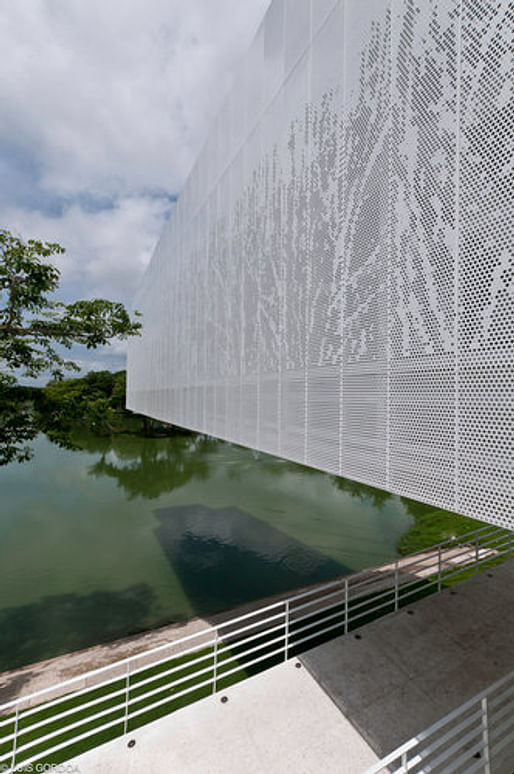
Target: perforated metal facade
point(336, 282)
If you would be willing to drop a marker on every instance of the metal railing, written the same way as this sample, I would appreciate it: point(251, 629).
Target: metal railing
point(60, 722)
point(477, 736)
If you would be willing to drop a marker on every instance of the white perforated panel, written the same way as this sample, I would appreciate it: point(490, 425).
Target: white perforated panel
point(336, 282)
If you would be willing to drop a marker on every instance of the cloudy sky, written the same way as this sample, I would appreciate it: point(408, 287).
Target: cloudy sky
point(104, 107)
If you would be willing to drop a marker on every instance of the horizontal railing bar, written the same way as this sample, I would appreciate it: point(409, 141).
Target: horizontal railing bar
point(210, 668)
point(454, 731)
point(423, 583)
point(73, 711)
point(222, 645)
point(315, 613)
point(63, 745)
point(496, 553)
point(467, 551)
point(222, 675)
point(378, 577)
point(181, 654)
point(245, 617)
point(170, 685)
point(165, 673)
point(496, 731)
point(275, 617)
point(460, 569)
point(479, 766)
point(494, 544)
point(335, 593)
point(64, 697)
point(240, 656)
point(426, 585)
point(175, 696)
point(68, 697)
point(322, 587)
point(498, 534)
point(450, 734)
point(499, 746)
point(495, 701)
point(424, 562)
point(338, 613)
point(172, 644)
point(315, 634)
point(368, 612)
point(109, 667)
point(463, 758)
point(370, 599)
point(64, 729)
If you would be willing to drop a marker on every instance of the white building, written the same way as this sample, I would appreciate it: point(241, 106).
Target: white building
point(336, 282)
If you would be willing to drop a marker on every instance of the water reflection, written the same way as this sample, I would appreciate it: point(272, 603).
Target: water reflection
point(378, 497)
point(167, 464)
point(128, 533)
point(225, 556)
point(155, 469)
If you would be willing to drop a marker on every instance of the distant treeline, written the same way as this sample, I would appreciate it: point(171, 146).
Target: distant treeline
point(95, 402)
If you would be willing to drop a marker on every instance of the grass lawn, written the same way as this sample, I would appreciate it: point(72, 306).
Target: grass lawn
point(433, 526)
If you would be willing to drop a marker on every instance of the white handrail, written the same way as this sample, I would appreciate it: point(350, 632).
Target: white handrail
point(484, 716)
point(208, 653)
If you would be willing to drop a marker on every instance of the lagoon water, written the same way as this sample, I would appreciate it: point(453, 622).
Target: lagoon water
point(130, 533)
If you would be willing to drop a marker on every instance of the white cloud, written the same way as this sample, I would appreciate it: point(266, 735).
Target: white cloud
point(109, 103)
point(106, 250)
point(115, 97)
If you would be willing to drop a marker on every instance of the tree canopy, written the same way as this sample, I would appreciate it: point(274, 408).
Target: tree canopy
point(35, 328)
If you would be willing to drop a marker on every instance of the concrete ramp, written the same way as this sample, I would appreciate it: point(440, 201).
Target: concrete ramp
point(396, 676)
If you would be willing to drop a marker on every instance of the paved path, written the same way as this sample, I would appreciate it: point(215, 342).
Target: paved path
point(360, 696)
point(278, 722)
point(398, 675)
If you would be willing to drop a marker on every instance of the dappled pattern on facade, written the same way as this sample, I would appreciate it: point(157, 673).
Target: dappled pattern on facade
point(336, 282)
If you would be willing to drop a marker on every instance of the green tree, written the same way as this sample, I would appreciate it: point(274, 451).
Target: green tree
point(34, 329)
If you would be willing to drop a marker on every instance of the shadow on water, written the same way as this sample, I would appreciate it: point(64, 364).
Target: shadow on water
point(59, 624)
point(226, 557)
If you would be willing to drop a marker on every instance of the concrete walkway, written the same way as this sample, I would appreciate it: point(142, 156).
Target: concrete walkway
point(398, 675)
point(356, 697)
point(279, 721)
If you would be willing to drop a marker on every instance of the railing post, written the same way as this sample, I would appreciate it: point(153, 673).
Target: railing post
point(439, 567)
point(286, 633)
point(396, 589)
point(485, 737)
point(405, 763)
point(346, 611)
point(127, 698)
point(15, 740)
point(477, 554)
point(215, 665)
